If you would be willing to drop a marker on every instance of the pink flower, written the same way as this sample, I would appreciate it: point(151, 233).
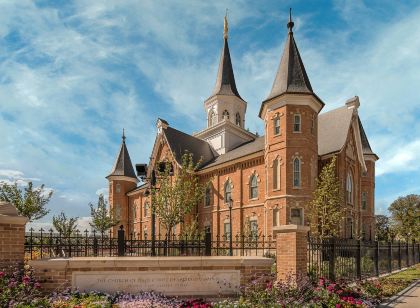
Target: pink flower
point(337, 305)
point(1, 274)
point(37, 285)
point(321, 282)
point(359, 302)
point(26, 280)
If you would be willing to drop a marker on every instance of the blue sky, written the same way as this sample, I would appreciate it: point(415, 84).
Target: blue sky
point(74, 73)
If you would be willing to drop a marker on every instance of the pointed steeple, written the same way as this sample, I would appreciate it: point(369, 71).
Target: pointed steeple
point(123, 165)
point(225, 81)
point(291, 75)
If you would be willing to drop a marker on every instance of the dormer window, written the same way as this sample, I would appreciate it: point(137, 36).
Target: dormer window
point(296, 123)
point(225, 115)
point(238, 119)
point(277, 125)
point(212, 118)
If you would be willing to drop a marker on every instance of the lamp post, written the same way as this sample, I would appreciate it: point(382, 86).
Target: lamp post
point(230, 227)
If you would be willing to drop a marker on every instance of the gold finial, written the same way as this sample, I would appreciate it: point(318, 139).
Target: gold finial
point(225, 27)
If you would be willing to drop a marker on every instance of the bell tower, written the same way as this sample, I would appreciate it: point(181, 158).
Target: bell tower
point(122, 179)
point(225, 108)
point(290, 113)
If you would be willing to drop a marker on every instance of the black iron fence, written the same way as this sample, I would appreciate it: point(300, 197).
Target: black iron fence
point(47, 244)
point(355, 259)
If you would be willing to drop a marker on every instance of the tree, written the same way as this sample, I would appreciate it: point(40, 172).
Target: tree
point(102, 218)
point(175, 196)
point(405, 214)
point(325, 210)
point(30, 202)
point(65, 225)
point(385, 230)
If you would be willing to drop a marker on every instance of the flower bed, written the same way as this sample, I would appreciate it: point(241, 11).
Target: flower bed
point(19, 289)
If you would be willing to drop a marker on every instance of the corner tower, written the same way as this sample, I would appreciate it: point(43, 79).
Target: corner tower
point(122, 179)
point(290, 113)
point(225, 108)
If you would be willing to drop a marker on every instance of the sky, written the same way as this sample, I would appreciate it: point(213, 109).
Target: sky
point(73, 74)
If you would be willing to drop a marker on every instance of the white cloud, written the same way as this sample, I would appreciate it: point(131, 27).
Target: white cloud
point(82, 225)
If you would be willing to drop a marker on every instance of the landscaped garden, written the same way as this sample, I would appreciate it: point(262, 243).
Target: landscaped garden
point(19, 289)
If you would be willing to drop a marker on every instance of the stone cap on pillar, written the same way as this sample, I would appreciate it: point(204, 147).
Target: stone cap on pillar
point(290, 228)
point(10, 215)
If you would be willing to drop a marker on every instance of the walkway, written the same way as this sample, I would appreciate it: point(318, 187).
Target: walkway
point(408, 298)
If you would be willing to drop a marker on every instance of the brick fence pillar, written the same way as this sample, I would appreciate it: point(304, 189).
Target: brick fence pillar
point(291, 250)
point(12, 236)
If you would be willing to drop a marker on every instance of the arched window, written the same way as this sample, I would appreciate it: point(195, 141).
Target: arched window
point(146, 209)
point(134, 214)
point(349, 188)
point(253, 187)
point(212, 118)
point(118, 188)
point(364, 200)
point(208, 196)
point(117, 211)
point(225, 115)
point(276, 174)
point(276, 125)
point(228, 191)
point(296, 172)
point(296, 123)
point(238, 119)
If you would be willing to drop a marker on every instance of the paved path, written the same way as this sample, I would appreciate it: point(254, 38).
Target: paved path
point(409, 298)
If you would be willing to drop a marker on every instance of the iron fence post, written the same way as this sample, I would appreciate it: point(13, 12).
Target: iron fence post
point(359, 260)
point(389, 257)
point(414, 252)
point(207, 243)
point(377, 258)
point(407, 257)
point(332, 260)
point(121, 243)
point(399, 254)
point(95, 244)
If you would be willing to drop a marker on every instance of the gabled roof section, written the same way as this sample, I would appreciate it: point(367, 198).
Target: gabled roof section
point(291, 75)
point(123, 165)
point(180, 143)
point(333, 128)
point(225, 81)
point(245, 149)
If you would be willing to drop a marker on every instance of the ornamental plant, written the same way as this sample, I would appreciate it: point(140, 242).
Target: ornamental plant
point(20, 289)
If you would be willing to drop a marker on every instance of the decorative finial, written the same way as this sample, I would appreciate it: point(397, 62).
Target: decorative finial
point(290, 24)
point(225, 27)
point(123, 136)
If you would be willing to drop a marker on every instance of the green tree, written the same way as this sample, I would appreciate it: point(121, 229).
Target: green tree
point(385, 229)
point(30, 202)
point(325, 210)
point(176, 195)
point(102, 218)
point(65, 225)
point(405, 214)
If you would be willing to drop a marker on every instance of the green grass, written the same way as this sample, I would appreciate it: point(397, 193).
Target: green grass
point(410, 274)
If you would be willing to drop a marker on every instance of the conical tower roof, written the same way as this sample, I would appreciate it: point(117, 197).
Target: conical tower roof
point(225, 81)
point(123, 165)
point(291, 75)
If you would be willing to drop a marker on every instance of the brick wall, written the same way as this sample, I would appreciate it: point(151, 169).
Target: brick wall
point(12, 240)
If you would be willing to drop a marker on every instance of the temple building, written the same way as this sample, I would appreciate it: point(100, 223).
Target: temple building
point(268, 179)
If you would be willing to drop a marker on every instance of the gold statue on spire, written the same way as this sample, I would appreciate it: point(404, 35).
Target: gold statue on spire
point(225, 27)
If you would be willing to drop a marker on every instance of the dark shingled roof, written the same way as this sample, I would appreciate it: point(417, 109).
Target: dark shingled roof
point(243, 150)
point(291, 75)
point(225, 81)
point(123, 165)
point(333, 128)
point(181, 143)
